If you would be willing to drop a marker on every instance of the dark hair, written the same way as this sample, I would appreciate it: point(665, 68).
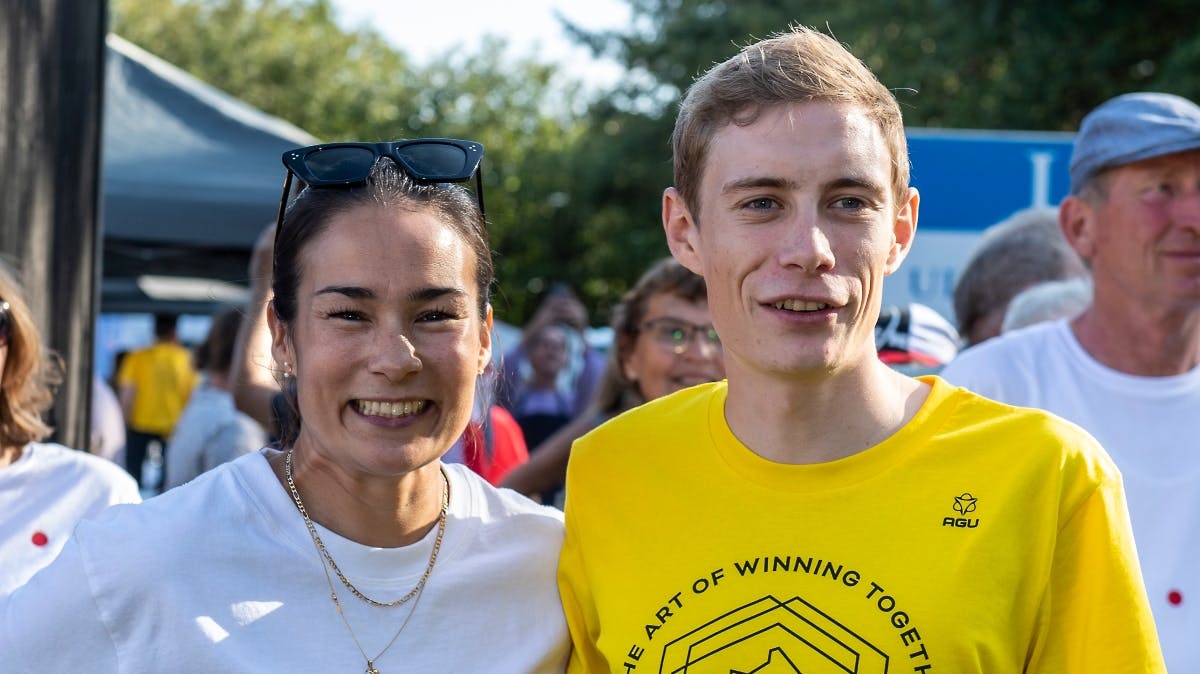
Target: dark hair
point(164, 325)
point(386, 187)
point(216, 353)
point(31, 373)
point(615, 393)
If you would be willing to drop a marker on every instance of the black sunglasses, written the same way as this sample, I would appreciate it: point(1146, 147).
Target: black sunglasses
point(425, 160)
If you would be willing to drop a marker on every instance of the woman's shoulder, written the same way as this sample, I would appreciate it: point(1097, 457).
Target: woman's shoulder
point(498, 507)
point(98, 475)
point(221, 495)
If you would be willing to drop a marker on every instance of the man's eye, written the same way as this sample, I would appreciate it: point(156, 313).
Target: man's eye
point(850, 203)
point(761, 204)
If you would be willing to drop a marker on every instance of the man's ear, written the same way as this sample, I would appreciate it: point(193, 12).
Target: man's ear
point(683, 236)
point(281, 343)
point(1077, 224)
point(904, 229)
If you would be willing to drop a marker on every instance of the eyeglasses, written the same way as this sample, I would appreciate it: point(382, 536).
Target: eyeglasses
point(677, 335)
point(426, 160)
point(5, 323)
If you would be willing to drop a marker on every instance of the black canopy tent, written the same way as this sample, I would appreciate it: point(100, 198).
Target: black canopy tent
point(190, 176)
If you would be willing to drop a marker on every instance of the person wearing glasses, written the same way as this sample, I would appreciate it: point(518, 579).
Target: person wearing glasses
point(45, 488)
point(663, 341)
point(820, 511)
point(352, 546)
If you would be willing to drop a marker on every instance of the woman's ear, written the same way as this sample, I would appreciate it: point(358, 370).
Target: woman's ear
point(281, 342)
point(485, 340)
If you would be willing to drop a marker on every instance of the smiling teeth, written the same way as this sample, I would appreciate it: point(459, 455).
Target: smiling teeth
point(800, 305)
point(407, 408)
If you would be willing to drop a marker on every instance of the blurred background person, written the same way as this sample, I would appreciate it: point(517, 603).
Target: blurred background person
point(492, 445)
point(253, 377)
point(107, 433)
point(539, 405)
point(154, 384)
point(578, 378)
point(45, 488)
point(915, 339)
point(211, 430)
point(1011, 255)
point(663, 341)
point(1127, 369)
point(1047, 301)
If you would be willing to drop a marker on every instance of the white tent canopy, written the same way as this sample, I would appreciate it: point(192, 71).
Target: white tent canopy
point(189, 173)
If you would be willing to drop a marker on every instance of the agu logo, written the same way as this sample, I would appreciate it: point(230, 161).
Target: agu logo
point(963, 505)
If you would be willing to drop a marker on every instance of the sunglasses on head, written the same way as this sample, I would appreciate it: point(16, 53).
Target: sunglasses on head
point(425, 160)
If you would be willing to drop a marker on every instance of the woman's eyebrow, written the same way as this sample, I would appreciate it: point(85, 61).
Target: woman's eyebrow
point(354, 292)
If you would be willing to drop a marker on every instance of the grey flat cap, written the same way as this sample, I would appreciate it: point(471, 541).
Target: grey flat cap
point(1130, 128)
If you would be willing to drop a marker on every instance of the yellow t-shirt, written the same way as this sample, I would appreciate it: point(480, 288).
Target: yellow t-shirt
point(162, 377)
point(980, 538)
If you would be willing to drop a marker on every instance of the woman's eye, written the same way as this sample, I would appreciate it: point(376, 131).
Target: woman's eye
point(437, 316)
point(345, 315)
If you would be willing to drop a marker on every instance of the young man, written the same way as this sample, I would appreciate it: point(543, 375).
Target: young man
point(821, 512)
point(1128, 368)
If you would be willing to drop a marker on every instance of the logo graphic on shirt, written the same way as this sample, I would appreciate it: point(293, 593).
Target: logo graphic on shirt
point(963, 505)
point(768, 636)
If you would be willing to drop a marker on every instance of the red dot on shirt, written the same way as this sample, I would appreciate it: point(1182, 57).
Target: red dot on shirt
point(1175, 597)
point(39, 539)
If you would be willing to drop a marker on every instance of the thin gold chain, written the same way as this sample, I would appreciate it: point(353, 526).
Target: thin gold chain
point(326, 557)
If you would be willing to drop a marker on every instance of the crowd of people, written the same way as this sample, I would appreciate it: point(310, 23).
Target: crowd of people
point(766, 470)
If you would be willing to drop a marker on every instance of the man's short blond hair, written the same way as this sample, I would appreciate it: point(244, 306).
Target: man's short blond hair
point(798, 66)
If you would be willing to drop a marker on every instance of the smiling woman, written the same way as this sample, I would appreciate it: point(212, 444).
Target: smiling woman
point(352, 545)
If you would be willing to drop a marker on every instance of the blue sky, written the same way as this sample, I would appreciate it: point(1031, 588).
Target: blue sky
point(424, 27)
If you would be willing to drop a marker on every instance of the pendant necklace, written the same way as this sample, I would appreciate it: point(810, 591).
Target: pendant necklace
point(327, 561)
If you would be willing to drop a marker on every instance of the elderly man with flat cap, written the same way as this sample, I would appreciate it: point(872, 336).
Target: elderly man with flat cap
point(1128, 368)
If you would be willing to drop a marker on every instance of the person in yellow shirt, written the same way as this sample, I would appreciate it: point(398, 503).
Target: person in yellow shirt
point(819, 511)
point(154, 385)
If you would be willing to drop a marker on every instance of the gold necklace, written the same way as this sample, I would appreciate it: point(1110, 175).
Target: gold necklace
point(312, 531)
point(324, 556)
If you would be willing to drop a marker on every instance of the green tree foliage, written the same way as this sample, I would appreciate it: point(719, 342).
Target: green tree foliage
point(992, 64)
point(292, 60)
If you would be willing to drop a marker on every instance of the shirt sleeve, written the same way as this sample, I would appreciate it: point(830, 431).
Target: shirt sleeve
point(1096, 617)
point(125, 374)
point(239, 436)
point(53, 623)
point(579, 607)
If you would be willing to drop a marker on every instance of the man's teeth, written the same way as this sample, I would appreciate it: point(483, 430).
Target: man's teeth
point(384, 409)
point(800, 305)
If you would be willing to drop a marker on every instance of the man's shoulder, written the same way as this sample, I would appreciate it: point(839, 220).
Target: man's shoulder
point(1042, 438)
point(1008, 353)
point(673, 416)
